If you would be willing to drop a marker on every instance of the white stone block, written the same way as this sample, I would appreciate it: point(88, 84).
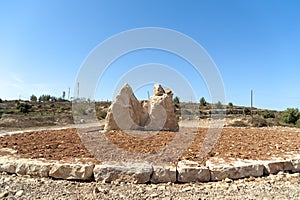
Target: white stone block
point(72, 171)
point(189, 171)
point(163, 174)
point(123, 172)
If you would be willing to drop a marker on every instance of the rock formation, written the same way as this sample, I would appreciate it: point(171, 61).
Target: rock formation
point(126, 112)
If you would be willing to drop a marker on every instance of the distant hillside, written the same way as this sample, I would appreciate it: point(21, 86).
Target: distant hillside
point(18, 114)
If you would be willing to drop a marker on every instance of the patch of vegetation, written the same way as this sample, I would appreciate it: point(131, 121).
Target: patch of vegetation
point(239, 123)
point(246, 111)
point(230, 104)
point(298, 122)
point(290, 116)
point(259, 121)
point(80, 110)
point(219, 105)
point(268, 114)
point(24, 107)
point(101, 114)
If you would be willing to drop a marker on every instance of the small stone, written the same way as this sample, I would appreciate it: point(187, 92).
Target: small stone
point(96, 190)
point(154, 195)
point(4, 194)
point(187, 189)
point(162, 187)
point(251, 178)
point(19, 193)
point(234, 187)
point(228, 180)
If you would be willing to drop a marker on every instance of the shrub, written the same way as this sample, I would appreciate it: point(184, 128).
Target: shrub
point(290, 116)
point(258, 121)
point(230, 104)
point(101, 114)
point(80, 110)
point(268, 114)
point(246, 111)
point(298, 122)
point(219, 105)
point(24, 107)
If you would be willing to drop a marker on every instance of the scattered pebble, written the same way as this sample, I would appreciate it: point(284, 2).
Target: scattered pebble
point(269, 187)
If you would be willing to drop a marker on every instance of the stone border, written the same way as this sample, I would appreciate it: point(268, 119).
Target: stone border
point(186, 171)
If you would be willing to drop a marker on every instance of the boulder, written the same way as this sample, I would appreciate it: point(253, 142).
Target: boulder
point(127, 113)
point(161, 113)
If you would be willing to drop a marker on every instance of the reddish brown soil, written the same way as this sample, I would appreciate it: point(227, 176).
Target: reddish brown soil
point(244, 143)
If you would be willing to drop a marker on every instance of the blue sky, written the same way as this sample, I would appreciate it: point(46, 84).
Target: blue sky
point(254, 44)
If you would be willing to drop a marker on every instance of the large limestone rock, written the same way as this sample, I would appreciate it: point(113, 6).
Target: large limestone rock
point(72, 171)
point(33, 168)
point(123, 172)
point(234, 169)
point(155, 114)
point(158, 90)
point(273, 166)
point(163, 174)
point(161, 113)
point(7, 165)
point(125, 112)
point(190, 171)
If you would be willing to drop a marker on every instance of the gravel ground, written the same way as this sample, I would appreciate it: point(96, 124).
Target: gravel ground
point(280, 186)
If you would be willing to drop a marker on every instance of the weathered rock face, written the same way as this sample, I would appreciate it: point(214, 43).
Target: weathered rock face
point(125, 112)
point(158, 90)
point(154, 114)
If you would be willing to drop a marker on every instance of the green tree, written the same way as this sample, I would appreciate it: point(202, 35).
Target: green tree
point(33, 98)
point(203, 102)
point(176, 100)
point(63, 94)
point(290, 116)
point(1, 100)
point(230, 104)
point(44, 97)
point(219, 105)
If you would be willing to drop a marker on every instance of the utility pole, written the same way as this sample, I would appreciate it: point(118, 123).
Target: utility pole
point(78, 90)
point(69, 94)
